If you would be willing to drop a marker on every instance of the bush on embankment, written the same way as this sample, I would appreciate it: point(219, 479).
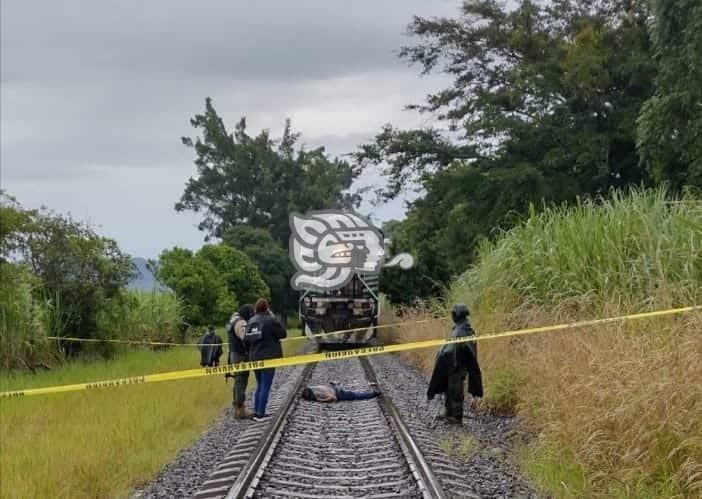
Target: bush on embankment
point(58, 277)
point(617, 408)
point(27, 320)
point(23, 342)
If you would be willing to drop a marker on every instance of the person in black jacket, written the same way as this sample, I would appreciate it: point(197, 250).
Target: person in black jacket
point(210, 346)
point(453, 363)
point(262, 339)
point(236, 330)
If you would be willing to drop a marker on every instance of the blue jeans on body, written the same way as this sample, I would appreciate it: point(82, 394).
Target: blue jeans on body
point(342, 394)
point(264, 380)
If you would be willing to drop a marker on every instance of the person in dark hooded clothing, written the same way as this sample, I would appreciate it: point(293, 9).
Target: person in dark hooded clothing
point(210, 346)
point(238, 352)
point(454, 362)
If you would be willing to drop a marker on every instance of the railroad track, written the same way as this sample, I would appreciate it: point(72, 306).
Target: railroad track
point(347, 449)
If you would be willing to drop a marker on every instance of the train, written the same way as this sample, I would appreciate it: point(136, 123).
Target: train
point(354, 306)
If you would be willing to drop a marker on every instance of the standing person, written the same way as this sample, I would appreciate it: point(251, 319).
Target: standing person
point(210, 346)
point(453, 363)
point(239, 353)
point(262, 338)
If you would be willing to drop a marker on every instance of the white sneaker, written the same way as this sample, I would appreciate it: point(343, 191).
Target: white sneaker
point(265, 417)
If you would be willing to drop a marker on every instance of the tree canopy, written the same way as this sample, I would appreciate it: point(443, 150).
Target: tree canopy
point(270, 257)
point(552, 87)
point(670, 125)
point(77, 270)
point(542, 109)
point(257, 181)
point(212, 282)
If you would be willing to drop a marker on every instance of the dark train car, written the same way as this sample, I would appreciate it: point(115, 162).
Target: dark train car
point(354, 306)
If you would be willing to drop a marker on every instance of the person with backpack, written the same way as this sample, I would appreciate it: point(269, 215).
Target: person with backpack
point(236, 330)
point(262, 338)
point(454, 362)
point(210, 346)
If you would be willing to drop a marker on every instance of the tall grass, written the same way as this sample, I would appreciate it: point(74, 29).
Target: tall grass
point(624, 401)
point(147, 316)
point(23, 342)
point(617, 409)
point(628, 252)
point(26, 320)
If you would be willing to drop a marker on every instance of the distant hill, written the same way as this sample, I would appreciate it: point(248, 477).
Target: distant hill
point(145, 279)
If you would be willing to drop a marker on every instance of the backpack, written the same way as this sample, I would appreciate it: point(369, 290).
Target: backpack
point(234, 327)
point(230, 324)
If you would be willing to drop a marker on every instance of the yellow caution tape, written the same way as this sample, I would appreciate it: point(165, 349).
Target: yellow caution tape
point(173, 344)
point(327, 356)
point(124, 342)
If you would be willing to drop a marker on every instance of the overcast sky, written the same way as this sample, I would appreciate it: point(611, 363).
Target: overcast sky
point(96, 95)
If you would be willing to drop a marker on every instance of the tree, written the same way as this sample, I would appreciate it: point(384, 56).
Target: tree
point(542, 108)
point(212, 282)
point(13, 221)
point(670, 125)
point(256, 181)
point(270, 257)
point(404, 286)
point(556, 86)
point(79, 271)
point(237, 270)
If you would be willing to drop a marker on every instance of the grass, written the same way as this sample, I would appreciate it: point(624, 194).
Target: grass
point(461, 446)
point(557, 469)
point(103, 443)
point(617, 407)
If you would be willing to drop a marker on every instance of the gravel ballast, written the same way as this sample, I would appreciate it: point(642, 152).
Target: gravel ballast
point(184, 475)
point(472, 459)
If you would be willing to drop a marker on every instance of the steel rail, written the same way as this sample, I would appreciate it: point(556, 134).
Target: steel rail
point(247, 480)
point(428, 483)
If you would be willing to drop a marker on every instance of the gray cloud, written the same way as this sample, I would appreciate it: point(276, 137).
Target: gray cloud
point(96, 95)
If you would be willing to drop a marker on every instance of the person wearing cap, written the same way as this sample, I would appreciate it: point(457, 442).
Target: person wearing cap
point(262, 339)
point(334, 393)
point(236, 329)
point(454, 362)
